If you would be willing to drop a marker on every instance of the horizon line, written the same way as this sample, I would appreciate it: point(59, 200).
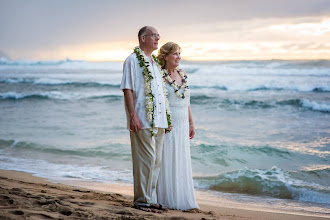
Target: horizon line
point(184, 60)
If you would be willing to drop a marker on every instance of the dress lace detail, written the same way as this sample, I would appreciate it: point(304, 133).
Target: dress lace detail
point(175, 184)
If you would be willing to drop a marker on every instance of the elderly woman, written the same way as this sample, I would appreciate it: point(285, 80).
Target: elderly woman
point(175, 184)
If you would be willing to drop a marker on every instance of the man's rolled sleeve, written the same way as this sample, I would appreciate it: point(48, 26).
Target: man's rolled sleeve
point(127, 81)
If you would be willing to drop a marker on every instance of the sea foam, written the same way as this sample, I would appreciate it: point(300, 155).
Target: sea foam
point(323, 107)
point(60, 95)
point(54, 81)
point(273, 182)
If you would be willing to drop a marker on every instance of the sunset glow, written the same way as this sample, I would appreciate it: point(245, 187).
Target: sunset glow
point(226, 36)
point(307, 40)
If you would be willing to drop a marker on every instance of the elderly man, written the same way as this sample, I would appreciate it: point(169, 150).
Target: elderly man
point(142, 85)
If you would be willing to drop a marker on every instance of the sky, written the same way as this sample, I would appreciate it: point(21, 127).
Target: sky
point(104, 30)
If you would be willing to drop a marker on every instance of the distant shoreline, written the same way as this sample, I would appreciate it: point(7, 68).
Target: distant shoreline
point(4, 58)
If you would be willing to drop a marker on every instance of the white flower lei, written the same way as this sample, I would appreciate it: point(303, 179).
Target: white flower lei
point(175, 86)
point(150, 104)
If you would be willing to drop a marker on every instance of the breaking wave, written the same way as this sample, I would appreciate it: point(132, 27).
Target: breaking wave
point(57, 95)
point(273, 182)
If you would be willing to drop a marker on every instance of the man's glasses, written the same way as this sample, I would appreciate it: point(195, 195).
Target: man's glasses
point(153, 35)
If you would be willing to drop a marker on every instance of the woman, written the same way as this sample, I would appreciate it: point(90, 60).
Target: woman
point(175, 184)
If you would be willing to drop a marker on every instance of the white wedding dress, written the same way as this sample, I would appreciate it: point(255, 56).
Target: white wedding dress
point(175, 187)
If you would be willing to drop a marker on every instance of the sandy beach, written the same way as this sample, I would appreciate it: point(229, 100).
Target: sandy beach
point(256, 80)
point(24, 196)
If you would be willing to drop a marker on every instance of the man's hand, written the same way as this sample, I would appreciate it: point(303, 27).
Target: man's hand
point(135, 124)
point(191, 130)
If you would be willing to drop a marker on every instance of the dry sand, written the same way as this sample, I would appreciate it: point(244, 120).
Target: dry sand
point(24, 196)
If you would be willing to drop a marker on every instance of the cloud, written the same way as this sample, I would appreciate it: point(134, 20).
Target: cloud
point(255, 51)
point(305, 28)
point(39, 28)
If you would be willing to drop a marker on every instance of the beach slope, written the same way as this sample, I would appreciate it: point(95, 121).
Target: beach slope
point(24, 196)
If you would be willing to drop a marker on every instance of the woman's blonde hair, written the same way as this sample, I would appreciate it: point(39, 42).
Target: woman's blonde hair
point(165, 50)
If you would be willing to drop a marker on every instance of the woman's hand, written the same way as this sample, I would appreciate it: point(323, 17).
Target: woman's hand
point(168, 130)
point(191, 130)
point(191, 125)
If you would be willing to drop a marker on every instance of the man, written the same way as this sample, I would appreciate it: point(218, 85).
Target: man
point(146, 148)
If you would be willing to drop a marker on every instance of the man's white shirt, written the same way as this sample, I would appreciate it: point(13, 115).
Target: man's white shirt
point(133, 79)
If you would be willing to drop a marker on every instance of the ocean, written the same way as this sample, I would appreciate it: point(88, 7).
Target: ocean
point(262, 127)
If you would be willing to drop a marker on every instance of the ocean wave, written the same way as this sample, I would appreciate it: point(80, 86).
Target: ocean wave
point(201, 99)
point(260, 67)
point(15, 81)
point(4, 61)
point(321, 172)
point(257, 67)
point(322, 107)
point(57, 95)
point(298, 88)
point(252, 88)
point(249, 84)
point(49, 81)
point(224, 88)
point(298, 103)
point(46, 169)
point(96, 152)
point(222, 149)
point(306, 104)
point(247, 104)
point(252, 85)
point(273, 182)
point(268, 151)
point(319, 175)
point(62, 64)
point(237, 156)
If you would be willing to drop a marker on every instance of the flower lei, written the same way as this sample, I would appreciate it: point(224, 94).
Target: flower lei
point(150, 104)
point(175, 86)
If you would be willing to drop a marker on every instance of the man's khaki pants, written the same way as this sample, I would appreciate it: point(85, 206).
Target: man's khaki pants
point(147, 158)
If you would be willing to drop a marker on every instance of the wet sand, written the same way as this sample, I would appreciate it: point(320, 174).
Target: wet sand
point(24, 196)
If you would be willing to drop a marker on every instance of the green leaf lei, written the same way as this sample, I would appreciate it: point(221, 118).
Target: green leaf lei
point(175, 86)
point(150, 104)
